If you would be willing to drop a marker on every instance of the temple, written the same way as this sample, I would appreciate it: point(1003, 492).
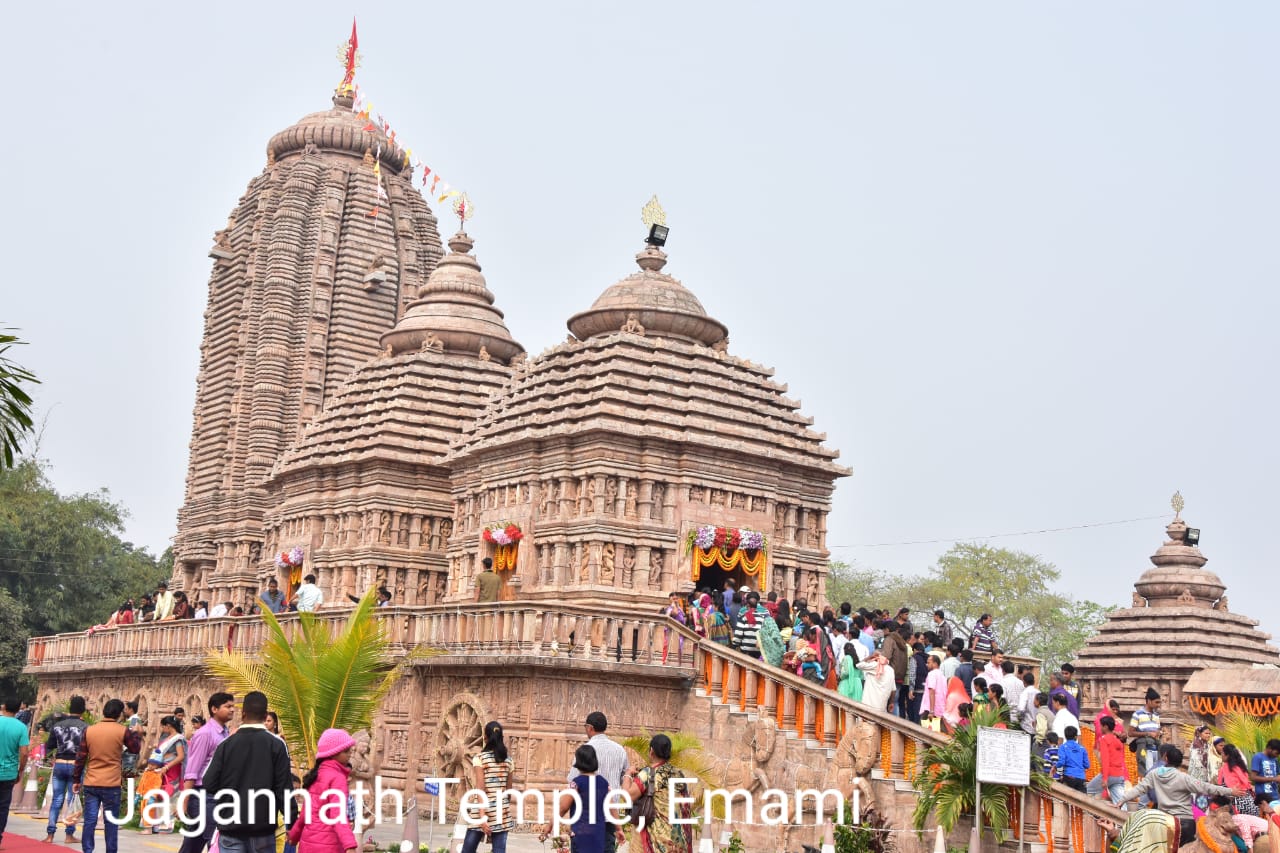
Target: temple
point(1179, 637)
point(361, 399)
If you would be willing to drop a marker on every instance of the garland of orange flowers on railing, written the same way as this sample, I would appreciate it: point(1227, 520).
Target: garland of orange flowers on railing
point(909, 759)
point(886, 753)
point(1046, 812)
point(1214, 706)
point(1075, 818)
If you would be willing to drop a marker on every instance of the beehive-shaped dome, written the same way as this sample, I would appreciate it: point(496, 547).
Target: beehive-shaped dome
point(314, 265)
point(653, 300)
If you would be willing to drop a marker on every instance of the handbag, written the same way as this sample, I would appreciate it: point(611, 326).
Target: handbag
point(642, 809)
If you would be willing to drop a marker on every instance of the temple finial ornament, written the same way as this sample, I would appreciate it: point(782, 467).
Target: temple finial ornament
point(1177, 503)
point(462, 209)
point(652, 213)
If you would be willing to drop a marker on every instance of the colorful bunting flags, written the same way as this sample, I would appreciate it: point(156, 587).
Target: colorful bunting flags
point(374, 122)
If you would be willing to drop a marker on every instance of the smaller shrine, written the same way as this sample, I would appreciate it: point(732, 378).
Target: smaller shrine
point(1180, 637)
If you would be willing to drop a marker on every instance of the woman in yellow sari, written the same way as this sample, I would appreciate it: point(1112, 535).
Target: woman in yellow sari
point(661, 835)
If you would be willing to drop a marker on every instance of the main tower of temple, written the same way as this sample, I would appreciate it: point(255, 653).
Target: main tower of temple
point(319, 259)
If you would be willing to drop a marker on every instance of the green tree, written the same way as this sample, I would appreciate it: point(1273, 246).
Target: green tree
point(61, 557)
point(316, 680)
point(15, 402)
point(1016, 588)
point(13, 649)
point(862, 587)
point(948, 783)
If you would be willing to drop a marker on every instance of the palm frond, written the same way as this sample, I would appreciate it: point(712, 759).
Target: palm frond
point(315, 680)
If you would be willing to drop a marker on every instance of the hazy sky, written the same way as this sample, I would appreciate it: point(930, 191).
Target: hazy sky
point(1018, 260)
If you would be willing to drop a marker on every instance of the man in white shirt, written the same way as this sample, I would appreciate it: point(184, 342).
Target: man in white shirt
point(308, 598)
point(164, 602)
point(1027, 703)
point(1062, 718)
point(611, 757)
point(993, 672)
point(950, 663)
point(839, 638)
point(1013, 689)
point(220, 610)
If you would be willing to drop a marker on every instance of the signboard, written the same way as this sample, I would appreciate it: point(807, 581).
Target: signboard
point(1004, 756)
point(431, 788)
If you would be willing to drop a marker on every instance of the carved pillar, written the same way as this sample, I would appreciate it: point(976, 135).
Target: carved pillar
point(642, 573)
point(646, 499)
point(789, 526)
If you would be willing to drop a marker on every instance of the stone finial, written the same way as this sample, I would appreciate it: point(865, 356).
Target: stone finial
point(651, 259)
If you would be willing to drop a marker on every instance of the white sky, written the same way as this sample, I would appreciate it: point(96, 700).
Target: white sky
point(1017, 260)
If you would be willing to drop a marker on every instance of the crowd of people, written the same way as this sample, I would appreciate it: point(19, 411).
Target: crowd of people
point(165, 606)
point(219, 763)
point(928, 675)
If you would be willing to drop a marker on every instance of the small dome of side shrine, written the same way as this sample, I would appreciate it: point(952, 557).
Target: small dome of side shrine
point(365, 489)
point(1177, 627)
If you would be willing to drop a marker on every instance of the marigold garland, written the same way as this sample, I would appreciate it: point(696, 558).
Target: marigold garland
point(504, 557)
point(751, 564)
point(1075, 818)
point(909, 760)
point(1216, 706)
point(886, 753)
point(1205, 838)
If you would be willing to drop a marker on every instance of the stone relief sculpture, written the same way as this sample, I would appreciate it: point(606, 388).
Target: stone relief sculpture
point(606, 563)
point(655, 567)
point(632, 326)
point(384, 527)
point(628, 565)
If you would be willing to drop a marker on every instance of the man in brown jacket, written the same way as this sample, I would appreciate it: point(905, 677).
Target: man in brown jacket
point(896, 650)
point(98, 774)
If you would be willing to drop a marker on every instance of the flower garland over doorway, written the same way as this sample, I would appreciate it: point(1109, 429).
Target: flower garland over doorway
point(729, 548)
point(506, 536)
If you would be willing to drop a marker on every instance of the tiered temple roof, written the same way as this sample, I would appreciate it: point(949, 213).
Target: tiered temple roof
point(1177, 626)
point(648, 363)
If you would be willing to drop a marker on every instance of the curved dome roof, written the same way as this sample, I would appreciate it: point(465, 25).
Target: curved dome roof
point(336, 130)
point(653, 301)
point(454, 311)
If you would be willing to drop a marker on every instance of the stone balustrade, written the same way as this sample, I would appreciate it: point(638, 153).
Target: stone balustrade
point(483, 631)
point(1061, 819)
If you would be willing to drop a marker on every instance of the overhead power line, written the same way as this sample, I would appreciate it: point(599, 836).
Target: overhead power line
point(943, 540)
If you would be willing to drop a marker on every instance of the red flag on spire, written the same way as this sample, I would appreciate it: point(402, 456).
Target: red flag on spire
point(351, 55)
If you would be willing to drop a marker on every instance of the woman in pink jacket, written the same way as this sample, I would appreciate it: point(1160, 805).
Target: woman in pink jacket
point(323, 828)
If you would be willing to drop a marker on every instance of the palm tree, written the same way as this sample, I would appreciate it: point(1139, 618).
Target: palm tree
point(1247, 732)
point(688, 756)
point(15, 403)
point(315, 681)
point(948, 782)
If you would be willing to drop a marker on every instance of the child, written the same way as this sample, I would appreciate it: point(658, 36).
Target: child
point(1073, 760)
point(327, 784)
point(1051, 755)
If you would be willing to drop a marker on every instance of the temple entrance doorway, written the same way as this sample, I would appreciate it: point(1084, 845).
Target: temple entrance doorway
point(714, 578)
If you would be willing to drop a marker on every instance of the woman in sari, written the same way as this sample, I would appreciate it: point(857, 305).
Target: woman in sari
point(675, 609)
point(850, 676)
point(661, 836)
point(164, 768)
point(956, 696)
point(1146, 831)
